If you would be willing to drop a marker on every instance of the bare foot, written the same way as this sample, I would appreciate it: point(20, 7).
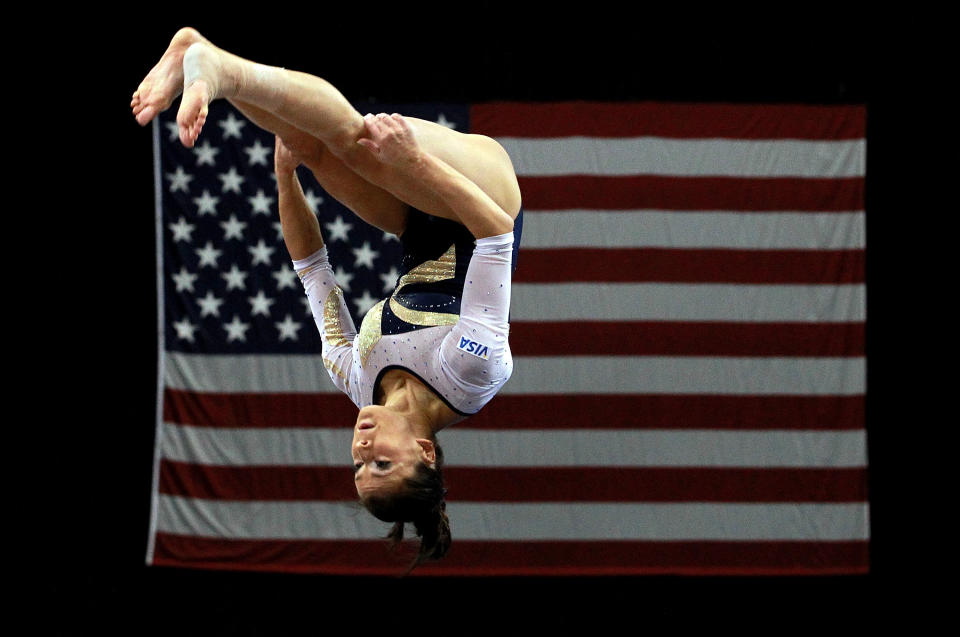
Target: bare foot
point(203, 77)
point(193, 112)
point(164, 82)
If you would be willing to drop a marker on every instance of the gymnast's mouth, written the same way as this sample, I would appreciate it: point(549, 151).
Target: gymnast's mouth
point(365, 425)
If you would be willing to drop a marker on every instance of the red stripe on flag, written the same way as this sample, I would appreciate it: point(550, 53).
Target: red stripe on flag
point(659, 484)
point(533, 411)
point(625, 265)
point(530, 484)
point(589, 192)
point(286, 483)
point(518, 558)
point(752, 121)
point(667, 338)
point(662, 411)
point(258, 410)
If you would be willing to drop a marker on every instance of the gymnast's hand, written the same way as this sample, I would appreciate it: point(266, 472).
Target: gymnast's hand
point(285, 161)
point(390, 138)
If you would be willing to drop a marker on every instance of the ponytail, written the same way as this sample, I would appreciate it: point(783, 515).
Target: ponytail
point(420, 501)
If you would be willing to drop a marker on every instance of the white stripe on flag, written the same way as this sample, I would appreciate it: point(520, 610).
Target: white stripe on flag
point(251, 373)
point(552, 375)
point(687, 375)
point(659, 229)
point(526, 521)
point(687, 302)
point(686, 158)
point(534, 448)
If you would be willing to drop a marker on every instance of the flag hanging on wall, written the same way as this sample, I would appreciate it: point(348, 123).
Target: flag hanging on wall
point(687, 329)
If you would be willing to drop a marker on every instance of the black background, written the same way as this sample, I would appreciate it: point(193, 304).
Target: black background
point(92, 577)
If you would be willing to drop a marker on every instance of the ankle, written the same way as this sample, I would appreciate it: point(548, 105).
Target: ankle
point(260, 84)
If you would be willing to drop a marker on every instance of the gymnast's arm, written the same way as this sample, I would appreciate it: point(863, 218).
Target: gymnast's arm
point(301, 233)
point(392, 141)
point(476, 353)
point(301, 230)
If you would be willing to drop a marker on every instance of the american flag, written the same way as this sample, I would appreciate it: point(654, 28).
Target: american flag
point(688, 331)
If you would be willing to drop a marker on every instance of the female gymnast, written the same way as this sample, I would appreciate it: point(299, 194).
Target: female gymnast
point(434, 352)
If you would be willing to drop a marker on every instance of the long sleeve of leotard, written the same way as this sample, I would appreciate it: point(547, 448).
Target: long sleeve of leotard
point(332, 317)
point(476, 354)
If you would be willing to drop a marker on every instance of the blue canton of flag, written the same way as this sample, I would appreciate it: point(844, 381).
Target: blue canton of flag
point(229, 284)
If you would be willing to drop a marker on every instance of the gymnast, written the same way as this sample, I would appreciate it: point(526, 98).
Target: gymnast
point(435, 351)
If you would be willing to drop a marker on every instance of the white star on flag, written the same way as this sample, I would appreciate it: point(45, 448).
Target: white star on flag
point(261, 203)
point(206, 203)
point(443, 121)
point(313, 200)
point(364, 255)
point(365, 302)
point(233, 229)
point(343, 278)
point(258, 153)
point(181, 230)
point(260, 304)
point(389, 279)
point(231, 126)
point(179, 180)
point(206, 154)
point(231, 180)
point(173, 131)
point(210, 305)
point(235, 278)
point(236, 329)
point(185, 329)
point(338, 229)
point(184, 280)
point(208, 255)
point(261, 253)
point(288, 328)
point(286, 278)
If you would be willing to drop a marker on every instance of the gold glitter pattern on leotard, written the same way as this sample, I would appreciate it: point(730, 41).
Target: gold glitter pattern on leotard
point(421, 317)
point(330, 365)
point(331, 319)
point(432, 271)
point(370, 331)
point(333, 330)
point(427, 272)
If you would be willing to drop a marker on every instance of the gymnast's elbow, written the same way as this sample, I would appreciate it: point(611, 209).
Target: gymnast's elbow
point(500, 223)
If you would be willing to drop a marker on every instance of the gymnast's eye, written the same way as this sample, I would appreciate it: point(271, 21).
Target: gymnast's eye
point(383, 465)
point(356, 466)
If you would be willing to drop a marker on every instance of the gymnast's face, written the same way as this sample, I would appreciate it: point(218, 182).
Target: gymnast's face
point(385, 450)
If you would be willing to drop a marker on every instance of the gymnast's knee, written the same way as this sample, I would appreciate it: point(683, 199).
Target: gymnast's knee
point(308, 149)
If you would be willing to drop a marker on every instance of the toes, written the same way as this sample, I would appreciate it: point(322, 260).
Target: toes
point(190, 132)
point(186, 137)
point(144, 116)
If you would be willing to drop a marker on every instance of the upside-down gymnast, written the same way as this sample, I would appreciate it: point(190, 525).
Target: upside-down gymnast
point(434, 352)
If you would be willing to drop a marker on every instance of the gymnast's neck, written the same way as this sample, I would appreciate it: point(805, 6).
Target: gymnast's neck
point(405, 394)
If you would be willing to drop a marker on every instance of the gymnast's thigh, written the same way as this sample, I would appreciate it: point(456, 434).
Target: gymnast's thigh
point(368, 201)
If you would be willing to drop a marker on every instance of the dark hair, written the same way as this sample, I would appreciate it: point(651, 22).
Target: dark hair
point(420, 501)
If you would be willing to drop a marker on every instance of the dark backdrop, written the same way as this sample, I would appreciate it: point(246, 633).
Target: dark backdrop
point(95, 512)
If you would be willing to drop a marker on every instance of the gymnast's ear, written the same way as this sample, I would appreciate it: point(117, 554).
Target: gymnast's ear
point(429, 451)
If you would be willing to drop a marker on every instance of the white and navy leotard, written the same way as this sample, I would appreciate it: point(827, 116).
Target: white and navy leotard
point(447, 321)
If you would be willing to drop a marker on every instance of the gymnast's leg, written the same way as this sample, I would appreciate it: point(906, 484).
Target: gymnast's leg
point(368, 201)
point(312, 105)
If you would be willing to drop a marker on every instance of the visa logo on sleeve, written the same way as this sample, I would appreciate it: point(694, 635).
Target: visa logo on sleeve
point(473, 347)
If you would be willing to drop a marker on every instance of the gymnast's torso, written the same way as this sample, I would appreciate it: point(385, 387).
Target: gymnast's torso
point(446, 322)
